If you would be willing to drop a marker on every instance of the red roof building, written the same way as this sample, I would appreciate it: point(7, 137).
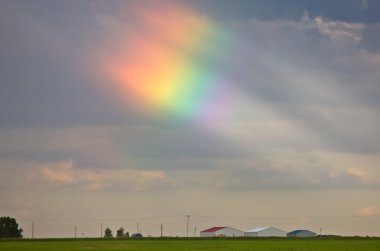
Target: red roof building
point(213, 229)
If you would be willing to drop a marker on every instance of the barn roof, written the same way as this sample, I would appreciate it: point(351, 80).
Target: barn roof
point(299, 231)
point(213, 229)
point(257, 229)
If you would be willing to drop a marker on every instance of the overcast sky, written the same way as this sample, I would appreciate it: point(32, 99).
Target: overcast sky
point(239, 113)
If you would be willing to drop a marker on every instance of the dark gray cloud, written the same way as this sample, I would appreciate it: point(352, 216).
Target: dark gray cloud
point(350, 11)
point(184, 142)
point(371, 38)
point(302, 80)
point(43, 75)
point(83, 157)
point(308, 70)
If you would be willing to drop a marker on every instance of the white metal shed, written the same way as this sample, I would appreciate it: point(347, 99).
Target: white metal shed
point(265, 232)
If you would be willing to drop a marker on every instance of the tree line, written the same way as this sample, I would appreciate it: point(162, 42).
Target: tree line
point(9, 228)
point(120, 233)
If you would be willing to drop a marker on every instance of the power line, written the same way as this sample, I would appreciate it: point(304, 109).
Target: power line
point(286, 217)
point(187, 225)
point(33, 230)
point(139, 219)
point(109, 219)
point(198, 216)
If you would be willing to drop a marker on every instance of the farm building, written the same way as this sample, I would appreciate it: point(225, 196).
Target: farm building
point(265, 232)
point(301, 233)
point(221, 232)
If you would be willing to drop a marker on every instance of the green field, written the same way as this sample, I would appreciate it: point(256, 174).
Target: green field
point(171, 244)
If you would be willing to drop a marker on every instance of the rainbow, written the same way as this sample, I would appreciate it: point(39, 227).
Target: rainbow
point(171, 63)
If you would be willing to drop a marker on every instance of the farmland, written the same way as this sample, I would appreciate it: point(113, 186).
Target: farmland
point(189, 244)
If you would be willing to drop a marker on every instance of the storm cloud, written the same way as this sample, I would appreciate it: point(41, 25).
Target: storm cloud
point(295, 88)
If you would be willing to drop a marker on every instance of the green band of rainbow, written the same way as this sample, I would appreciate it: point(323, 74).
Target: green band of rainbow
point(171, 63)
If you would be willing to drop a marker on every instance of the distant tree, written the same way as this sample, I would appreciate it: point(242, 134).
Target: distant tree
point(108, 233)
point(9, 228)
point(126, 234)
point(120, 233)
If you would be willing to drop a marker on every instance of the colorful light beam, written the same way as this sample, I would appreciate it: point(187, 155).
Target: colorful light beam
point(171, 63)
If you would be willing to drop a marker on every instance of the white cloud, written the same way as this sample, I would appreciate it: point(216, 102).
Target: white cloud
point(364, 176)
point(341, 33)
point(368, 211)
point(60, 173)
point(354, 171)
point(90, 179)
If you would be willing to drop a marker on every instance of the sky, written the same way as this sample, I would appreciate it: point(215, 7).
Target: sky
point(238, 113)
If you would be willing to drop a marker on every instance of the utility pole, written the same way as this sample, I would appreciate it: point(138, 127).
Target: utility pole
point(75, 232)
point(33, 230)
point(101, 229)
point(187, 225)
point(162, 230)
point(195, 230)
point(138, 231)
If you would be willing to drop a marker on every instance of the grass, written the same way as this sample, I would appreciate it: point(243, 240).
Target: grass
point(195, 244)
